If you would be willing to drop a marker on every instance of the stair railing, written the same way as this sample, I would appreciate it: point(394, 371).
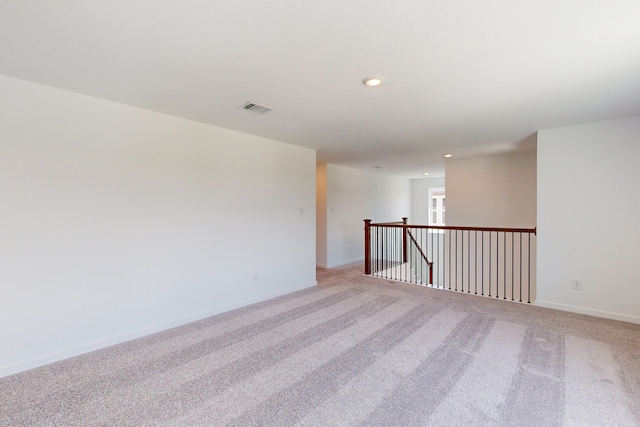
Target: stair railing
point(422, 254)
point(487, 261)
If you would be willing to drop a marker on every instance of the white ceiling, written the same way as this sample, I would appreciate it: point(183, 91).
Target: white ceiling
point(470, 77)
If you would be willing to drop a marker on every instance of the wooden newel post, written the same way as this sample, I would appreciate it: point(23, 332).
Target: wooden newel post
point(405, 257)
point(367, 246)
point(431, 273)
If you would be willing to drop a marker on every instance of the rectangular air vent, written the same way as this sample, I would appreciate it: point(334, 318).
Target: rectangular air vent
point(255, 108)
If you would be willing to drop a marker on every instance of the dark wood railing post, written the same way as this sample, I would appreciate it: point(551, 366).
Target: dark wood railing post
point(405, 257)
point(367, 246)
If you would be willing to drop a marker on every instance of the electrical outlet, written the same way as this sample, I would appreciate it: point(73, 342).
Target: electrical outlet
point(576, 285)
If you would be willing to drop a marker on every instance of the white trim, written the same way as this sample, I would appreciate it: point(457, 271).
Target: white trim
point(430, 203)
point(138, 333)
point(588, 311)
point(343, 263)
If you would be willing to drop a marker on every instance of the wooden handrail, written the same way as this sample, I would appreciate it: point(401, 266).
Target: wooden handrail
point(449, 227)
point(415, 242)
point(429, 263)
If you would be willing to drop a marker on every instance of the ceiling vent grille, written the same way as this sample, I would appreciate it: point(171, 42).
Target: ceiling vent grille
point(255, 108)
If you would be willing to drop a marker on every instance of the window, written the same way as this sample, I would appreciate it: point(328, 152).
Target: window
point(436, 206)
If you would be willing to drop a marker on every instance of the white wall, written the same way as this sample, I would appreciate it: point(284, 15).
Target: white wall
point(420, 198)
point(321, 215)
point(497, 191)
point(353, 195)
point(350, 199)
point(588, 218)
point(492, 191)
point(392, 198)
point(117, 222)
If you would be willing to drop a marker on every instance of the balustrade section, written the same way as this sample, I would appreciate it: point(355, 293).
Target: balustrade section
point(485, 261)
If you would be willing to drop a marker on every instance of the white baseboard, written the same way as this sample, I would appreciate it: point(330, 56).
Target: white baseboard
point(138, 333)
point(588, 311)
point(343, 263)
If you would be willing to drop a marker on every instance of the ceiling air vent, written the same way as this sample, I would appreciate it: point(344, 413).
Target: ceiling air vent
point(255, 108)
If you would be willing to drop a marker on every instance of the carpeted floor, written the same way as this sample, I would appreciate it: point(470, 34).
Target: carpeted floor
point(353, 351)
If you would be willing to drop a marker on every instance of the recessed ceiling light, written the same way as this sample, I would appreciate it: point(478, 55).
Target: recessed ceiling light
point(372, 81)
point(448, 155)
point(426, 173)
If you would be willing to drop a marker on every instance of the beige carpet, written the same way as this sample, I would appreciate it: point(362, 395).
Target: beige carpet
point(353, 351)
